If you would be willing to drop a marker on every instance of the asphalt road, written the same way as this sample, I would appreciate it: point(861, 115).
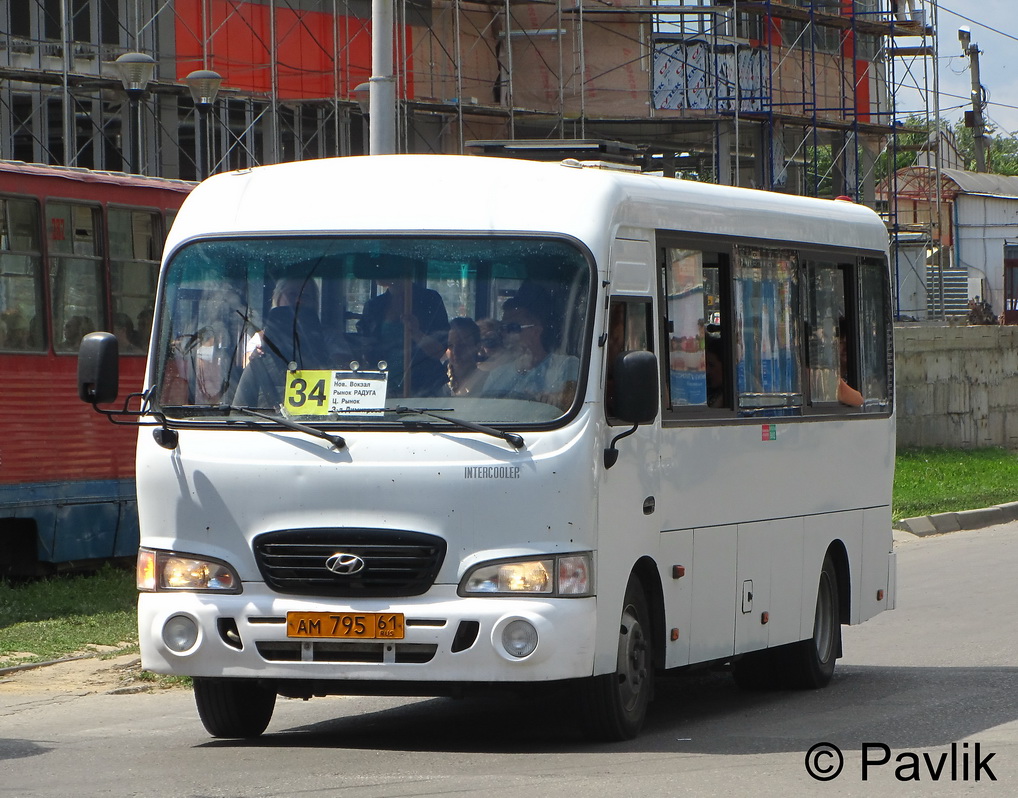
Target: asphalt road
point(925, 702)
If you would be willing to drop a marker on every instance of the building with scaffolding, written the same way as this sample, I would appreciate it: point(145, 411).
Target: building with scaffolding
point(799, 96)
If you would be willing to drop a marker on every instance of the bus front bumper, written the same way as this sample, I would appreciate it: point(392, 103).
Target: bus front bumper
point(445, 638)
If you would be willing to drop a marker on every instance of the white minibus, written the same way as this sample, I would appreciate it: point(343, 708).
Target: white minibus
point(420, 424)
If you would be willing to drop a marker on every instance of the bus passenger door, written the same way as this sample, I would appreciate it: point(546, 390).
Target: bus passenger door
point(626, 491)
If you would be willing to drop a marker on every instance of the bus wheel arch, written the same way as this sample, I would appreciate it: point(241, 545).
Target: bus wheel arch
point(810, 663)
point(614, 705)
point(647, 571)
point(839, 556)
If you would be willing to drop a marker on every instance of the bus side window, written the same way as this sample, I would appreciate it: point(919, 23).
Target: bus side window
point(827, 326)
point(629, 328)
point(767, 329)
point(695, 286)
point(874, 331)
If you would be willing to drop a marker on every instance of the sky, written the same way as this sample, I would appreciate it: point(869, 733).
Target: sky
point(994, 26)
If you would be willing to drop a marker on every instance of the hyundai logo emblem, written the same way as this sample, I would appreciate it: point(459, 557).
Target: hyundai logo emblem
point(345, 564)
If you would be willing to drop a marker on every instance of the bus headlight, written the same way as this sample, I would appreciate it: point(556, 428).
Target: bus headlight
point(557, 575)
point(164, 570)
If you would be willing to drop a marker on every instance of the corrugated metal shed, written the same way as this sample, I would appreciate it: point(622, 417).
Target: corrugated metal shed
point(983, 183)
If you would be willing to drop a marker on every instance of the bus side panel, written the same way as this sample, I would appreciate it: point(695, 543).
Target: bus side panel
point(770, 565)
point(712, 635)
point(876, 572)
point(821, 532)
point(677, 552)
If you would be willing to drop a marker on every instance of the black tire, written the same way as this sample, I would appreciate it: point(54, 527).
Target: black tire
point(810, 663)
point(233, 707)
point(615, 704)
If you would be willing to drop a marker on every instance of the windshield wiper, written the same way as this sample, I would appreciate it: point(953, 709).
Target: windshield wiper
point(337, 441)
point(516, 441)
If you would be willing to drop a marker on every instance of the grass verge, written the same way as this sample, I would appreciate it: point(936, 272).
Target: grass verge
point(930, 481)
point(65, 615)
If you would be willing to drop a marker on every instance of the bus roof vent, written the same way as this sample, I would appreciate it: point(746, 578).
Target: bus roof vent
point(612, 167)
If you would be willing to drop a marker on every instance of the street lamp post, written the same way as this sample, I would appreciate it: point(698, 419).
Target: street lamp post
point(135, 70)
point(971, 49)
point(204, 86)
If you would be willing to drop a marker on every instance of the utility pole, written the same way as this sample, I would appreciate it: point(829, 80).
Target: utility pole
point(974, 118)
point(382, 85)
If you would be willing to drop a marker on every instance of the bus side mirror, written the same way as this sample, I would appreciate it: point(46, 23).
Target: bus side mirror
point(636, 389)
point(636, 395)
point(98, 368)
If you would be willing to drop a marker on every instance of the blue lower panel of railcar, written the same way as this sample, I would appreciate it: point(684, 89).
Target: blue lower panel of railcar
point(74, 521)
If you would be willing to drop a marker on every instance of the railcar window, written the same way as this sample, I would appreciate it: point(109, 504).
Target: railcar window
point(76, 279)
point(21, 294)
point(135, 241)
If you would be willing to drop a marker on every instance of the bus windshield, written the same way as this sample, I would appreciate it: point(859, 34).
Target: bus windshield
point(349, 330)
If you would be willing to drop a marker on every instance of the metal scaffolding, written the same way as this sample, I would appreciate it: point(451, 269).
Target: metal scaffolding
point(799, 96)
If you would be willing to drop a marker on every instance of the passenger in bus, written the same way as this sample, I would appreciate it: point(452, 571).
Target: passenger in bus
point(144, 326)
point(534, 372)
point(76, 328)
point(407, 324)
point(13, 330)
point(714, 365)
point(123, 329)
point(493, 353)
point(292, 334)
point(847, 395)
point(463, 356)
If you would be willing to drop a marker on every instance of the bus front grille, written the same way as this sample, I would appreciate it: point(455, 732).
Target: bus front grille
point(380, 653)
point(349, 563)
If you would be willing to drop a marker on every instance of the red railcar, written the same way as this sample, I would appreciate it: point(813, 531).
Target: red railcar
point(79, 252)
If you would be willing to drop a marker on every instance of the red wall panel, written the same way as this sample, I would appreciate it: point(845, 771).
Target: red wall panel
point(309, 59)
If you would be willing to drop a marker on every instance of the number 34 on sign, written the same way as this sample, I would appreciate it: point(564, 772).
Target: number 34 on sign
point(319, 392)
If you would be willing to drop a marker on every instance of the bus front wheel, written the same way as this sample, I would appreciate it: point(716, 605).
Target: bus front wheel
point(233, 707)
point(615, 704)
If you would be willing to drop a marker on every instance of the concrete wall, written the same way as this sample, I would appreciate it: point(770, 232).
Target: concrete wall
point(957, 386)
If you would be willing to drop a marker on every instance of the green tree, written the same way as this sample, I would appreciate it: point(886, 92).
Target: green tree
point(1001, 150)
point(911, 140)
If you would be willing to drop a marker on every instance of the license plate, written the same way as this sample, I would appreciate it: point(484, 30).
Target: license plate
point(346, 625)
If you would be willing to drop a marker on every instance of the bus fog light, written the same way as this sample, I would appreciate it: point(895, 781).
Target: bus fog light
point(180, 633)
point(519, 638)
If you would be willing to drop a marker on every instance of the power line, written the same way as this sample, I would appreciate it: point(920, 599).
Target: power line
point(942, 7)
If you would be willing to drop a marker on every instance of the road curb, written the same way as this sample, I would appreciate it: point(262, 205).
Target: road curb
point(941, 523)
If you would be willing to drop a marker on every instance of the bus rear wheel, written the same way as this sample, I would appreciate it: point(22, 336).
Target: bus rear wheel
point(615, 704)
point(233, 707)
point(811, 662)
